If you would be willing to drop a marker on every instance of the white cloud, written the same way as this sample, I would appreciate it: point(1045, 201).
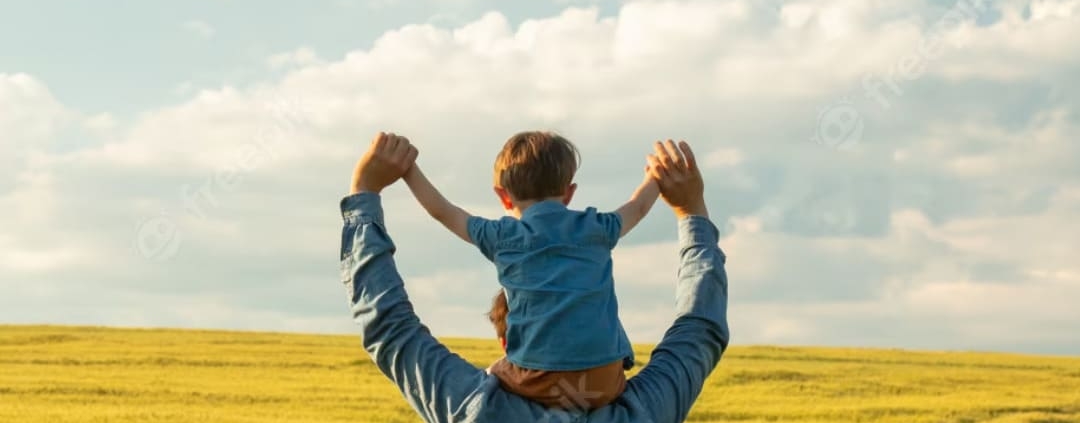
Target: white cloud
point(29, 120)
point(300, 57)
point(964, 189)
point(724, 157)
point(29, 261)
point(30, 113)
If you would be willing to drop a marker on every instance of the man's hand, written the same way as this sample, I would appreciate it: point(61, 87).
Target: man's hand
point(386, 160)
point(675, 169)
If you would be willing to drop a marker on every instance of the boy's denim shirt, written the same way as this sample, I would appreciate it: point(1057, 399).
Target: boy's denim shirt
point(555, 266)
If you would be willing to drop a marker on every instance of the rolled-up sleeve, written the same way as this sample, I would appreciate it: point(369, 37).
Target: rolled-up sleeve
point(702, 263)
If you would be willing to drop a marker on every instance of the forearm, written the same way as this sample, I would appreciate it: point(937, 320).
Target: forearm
point(368, 271)
point(400, 345)
point(689, 351)
point(641, 201)
point(451, 216)
point(702, 281)
point(697, 209)
point(645, 196)
point(427, 195)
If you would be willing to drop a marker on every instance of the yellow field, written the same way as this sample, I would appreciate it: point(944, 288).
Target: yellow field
point(69, 374)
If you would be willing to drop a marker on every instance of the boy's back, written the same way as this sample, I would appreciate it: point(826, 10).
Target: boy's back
point(555, 265)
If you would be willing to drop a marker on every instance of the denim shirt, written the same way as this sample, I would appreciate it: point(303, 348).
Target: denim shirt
point(555, 266)
point(444, 388)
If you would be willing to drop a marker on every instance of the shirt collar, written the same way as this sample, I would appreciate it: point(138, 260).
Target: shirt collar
point(542, 207)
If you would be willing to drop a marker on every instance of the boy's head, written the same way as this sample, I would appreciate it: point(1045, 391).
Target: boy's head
point(535, 166)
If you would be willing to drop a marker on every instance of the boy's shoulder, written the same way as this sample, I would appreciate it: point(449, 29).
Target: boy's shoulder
point(502, 226)
point(499, 222)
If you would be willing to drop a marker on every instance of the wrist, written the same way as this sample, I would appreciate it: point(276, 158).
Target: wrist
point(691, 210)
point(360, 187)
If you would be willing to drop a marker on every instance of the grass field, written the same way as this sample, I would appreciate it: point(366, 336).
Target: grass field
point(73, 374)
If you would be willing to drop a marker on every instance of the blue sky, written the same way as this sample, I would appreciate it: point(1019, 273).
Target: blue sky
point(142, 55)
point(889, 174)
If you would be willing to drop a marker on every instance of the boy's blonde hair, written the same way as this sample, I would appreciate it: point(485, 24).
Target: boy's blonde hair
point(535, 165)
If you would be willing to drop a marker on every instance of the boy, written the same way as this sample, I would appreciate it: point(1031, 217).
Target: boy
point(565, 346)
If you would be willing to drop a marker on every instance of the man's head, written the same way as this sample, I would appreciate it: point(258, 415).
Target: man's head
point(497, 316)
point(535, 166)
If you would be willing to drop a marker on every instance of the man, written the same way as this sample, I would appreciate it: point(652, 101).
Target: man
point(442, 387)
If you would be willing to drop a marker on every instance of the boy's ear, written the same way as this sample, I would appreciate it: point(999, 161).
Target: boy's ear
point(569, 195)
point(504, 198)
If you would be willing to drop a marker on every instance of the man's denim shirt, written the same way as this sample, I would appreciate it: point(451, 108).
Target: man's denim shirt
point(444, 388)
point(555, 266)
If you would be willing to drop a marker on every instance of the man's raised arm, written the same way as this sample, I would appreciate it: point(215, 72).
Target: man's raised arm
point(435, 382)
point(668, 386)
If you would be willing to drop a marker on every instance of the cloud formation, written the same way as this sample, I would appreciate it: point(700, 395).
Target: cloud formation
point(871, 190)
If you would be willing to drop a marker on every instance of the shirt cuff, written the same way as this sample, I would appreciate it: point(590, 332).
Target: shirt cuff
point(362, 208)
point(697, 230)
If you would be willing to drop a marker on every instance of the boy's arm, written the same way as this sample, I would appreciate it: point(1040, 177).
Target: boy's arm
point(639, 205)
point(452, 217)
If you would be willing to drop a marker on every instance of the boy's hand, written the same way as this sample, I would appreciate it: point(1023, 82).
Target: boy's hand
point(676, 172)
point(387, 158)
point(649, 169)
